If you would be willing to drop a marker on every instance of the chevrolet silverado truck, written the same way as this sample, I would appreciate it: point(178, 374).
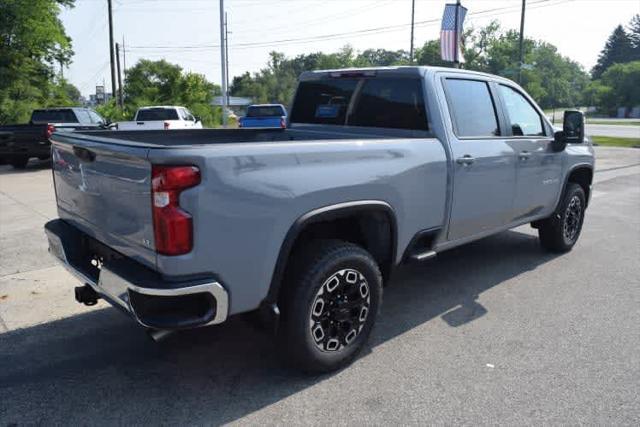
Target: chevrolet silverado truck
point(19, 143)
point(264, 116)
point(163, 117)
point(305, 225)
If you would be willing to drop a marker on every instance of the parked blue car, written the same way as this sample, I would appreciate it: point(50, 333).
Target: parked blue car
point(265, 116)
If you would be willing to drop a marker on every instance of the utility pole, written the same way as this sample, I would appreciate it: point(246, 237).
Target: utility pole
point(521, 42)
point(120, 98)
point(113, 64)
point(226, 53)
point(413, 14)
point(124, 60)
point(456, 62)
point(223, 61)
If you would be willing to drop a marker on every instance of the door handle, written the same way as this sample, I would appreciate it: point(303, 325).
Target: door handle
point(524, 155)
point(465, 160)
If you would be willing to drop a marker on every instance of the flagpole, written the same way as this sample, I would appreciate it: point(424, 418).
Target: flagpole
point(456, 63)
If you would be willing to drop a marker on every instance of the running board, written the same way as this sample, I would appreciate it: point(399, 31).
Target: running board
point(424, 256)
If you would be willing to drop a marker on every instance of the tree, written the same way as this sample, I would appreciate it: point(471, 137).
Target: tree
point(617, 50)
point(383, 57)
point(160, 82)
point(32, 41)
point(429, 54)
point(622, 79)
point(634, 35)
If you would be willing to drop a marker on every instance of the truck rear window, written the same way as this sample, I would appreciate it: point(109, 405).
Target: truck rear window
point(265, 111)
point(53, 116)
point(151, 114)
point(396, 103)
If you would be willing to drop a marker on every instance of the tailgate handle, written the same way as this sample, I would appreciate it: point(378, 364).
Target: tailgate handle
point(84, 154)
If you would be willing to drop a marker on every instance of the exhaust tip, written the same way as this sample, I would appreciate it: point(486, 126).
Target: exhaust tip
point(158, 335)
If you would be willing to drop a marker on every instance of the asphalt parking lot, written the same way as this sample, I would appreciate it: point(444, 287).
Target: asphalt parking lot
point(497, 332)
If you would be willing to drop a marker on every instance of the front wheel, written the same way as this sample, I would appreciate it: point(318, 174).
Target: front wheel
point(330, 305)
point(560, 232)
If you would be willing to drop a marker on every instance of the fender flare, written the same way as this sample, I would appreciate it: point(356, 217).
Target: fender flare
point(323, 214)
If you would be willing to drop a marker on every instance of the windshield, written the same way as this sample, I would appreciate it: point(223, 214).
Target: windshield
point(65, 115)
point(151, 114)
point(265, 111)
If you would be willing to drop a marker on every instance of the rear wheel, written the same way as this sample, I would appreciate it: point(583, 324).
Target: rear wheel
point(330, 305)
point(560, 232)
point(19, 162)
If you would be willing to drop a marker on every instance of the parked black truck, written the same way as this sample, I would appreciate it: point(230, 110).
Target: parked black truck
point(19, 143)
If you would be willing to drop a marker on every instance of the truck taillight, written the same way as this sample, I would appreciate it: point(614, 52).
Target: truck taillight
point(50, 130)
point(166, 125)
point(172, 226)
point(283, 122)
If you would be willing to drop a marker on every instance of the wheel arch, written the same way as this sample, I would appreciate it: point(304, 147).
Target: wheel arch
point(316, 222)
point(581, 174)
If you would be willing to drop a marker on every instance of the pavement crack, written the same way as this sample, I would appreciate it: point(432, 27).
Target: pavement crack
point(24, 204)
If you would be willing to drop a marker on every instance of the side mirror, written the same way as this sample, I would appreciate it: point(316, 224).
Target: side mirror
point(197, 119)
point(573, 127)
point(572, 130)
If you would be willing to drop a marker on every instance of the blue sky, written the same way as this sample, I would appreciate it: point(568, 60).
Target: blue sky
point(187, 32)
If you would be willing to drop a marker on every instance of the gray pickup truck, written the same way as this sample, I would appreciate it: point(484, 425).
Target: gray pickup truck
point(305, 225)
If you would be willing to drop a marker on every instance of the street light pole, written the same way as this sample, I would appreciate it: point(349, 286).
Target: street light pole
point(521, 42)
point(113, 63)
point(413, 14)
point(223, 62)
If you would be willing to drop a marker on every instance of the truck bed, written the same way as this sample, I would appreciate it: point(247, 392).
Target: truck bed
point(189, 137)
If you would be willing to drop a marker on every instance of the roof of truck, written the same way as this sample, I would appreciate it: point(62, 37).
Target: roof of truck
point(149, 107)
point(400, 70)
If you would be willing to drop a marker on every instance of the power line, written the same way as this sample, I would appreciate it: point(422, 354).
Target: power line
point(355, 33)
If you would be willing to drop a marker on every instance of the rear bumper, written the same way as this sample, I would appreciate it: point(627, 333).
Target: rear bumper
point(152, 300)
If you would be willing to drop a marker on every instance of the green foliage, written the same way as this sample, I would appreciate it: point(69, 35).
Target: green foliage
point(623, 90)
point(617, 50)
point(32, 41)
point(277, 82)
point(112, 111)
point(163, 83)
point(552, 80)
point(429, 54)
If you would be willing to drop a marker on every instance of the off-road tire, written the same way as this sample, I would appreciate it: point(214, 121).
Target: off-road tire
point(560, 232)
point(318, 266)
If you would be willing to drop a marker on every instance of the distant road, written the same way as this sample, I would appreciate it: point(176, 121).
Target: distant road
point(613, 130)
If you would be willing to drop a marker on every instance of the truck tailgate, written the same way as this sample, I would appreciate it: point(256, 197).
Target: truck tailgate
point(104, 189)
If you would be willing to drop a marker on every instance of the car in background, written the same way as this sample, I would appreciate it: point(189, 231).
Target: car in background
point(264, 116)
point(19, 143)
point(161, 117)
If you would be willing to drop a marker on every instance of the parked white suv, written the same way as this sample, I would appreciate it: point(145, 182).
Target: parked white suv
point(160, 117)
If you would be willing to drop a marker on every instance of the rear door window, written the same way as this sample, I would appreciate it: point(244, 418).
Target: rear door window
point(472, 109)
point(83, 116)
point(390, 103)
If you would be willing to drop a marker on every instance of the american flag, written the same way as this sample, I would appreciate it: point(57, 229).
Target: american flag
point(448, 36)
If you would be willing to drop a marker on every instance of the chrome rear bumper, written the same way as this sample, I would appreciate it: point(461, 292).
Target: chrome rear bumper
point(166, 305)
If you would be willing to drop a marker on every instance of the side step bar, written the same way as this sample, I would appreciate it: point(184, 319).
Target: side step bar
point(423, 256)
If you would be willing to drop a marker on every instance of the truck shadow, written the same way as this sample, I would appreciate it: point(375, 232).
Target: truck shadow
point(98, 366)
